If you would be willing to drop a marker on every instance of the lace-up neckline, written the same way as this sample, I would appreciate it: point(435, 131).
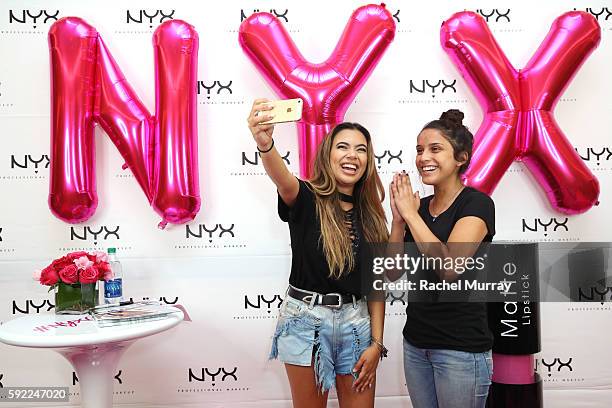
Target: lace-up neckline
point(350, 223)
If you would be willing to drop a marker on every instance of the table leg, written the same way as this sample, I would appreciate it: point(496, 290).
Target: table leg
point(95, 366)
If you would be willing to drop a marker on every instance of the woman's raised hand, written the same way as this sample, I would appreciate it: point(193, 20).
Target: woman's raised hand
point(406, 201)
point(261, 133)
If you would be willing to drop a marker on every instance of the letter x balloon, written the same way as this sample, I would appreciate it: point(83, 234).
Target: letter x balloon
point(327, 88)
point(518, 106)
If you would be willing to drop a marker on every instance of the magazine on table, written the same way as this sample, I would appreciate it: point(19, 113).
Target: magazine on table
point(130, 312)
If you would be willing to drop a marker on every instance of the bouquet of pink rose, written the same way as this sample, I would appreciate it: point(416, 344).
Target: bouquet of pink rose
point(76, 267)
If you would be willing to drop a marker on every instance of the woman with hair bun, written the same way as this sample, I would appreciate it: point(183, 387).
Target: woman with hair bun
point(447, 345)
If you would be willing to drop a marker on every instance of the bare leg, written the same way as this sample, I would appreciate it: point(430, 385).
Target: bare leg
point(304, 390)
point(350, 398)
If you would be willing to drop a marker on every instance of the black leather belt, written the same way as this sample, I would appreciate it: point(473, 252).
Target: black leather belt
point(330, 299)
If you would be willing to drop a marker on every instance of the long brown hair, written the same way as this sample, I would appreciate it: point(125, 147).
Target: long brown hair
point(368, 194)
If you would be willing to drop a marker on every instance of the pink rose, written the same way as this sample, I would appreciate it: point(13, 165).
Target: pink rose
point(101, 256)
point(60, 263)
point(75, 255)
point(48, 276)
point(103, 266)
point(89, 275)
point(70, 274)
point(83, 263)
point(103, 269)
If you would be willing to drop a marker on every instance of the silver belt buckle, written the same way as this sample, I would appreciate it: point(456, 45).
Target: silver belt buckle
point(339, 300)
point(307, 298)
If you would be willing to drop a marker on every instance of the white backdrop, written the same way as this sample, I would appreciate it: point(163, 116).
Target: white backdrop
point(232, 279)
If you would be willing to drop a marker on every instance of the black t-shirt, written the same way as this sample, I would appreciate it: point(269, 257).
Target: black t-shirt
point(309, 268)
point(453, 325)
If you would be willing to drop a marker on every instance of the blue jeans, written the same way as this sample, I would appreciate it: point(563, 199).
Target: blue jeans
point(447, 378)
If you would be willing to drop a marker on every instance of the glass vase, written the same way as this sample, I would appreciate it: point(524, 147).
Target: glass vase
point(75, 298)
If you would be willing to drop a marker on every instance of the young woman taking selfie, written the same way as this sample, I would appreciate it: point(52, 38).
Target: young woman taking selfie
point(327, 334)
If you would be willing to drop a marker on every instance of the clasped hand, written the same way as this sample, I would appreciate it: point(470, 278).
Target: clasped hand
point(405, 202)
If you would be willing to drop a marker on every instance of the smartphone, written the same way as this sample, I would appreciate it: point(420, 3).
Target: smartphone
point(285, 110)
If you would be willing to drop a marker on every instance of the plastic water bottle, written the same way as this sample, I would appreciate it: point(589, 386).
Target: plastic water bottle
point(113, 289)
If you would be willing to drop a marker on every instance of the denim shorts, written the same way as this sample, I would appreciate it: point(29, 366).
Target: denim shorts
point(332, 339)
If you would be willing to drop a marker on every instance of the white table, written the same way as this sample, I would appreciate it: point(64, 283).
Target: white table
point(93, 351)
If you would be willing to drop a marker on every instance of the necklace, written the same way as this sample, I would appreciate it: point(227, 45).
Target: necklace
point(435, 216)
point(346, 198)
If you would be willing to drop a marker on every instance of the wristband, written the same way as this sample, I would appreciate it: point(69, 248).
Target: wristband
point(266, 151)
point(383, 350)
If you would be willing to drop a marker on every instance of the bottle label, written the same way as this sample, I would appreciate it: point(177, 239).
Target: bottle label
point(113, 289)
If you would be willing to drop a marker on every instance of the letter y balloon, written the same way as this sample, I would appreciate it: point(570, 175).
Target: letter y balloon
point(328, 88)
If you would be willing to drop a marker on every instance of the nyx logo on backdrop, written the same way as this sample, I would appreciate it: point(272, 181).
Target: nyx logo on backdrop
point(210, 236)
point(262, 302)
point(397, 298)
point(214, 88)
point(150, 17)
point(163, 299)
point(597, 155)
point(249, 160)
point(396, 303)
point(214, 375)
point(88, 233)
point(246, 160)
point(545, 225)
point(605, 14)
point(595, 293)
point(29, 307)
point(556, 365)
point(75, 378)
point(433, 87)
point(495, 15)
point(212, 231)
point(395, 15)
point(30, 161)
point(388, 157)
point(34, 17)
point(282, 15)
point(3, 242)
point(1, 376)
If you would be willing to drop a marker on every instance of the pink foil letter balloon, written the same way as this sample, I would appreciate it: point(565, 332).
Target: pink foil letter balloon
point(87, 86)
point(518, 105)
point(327, 88)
